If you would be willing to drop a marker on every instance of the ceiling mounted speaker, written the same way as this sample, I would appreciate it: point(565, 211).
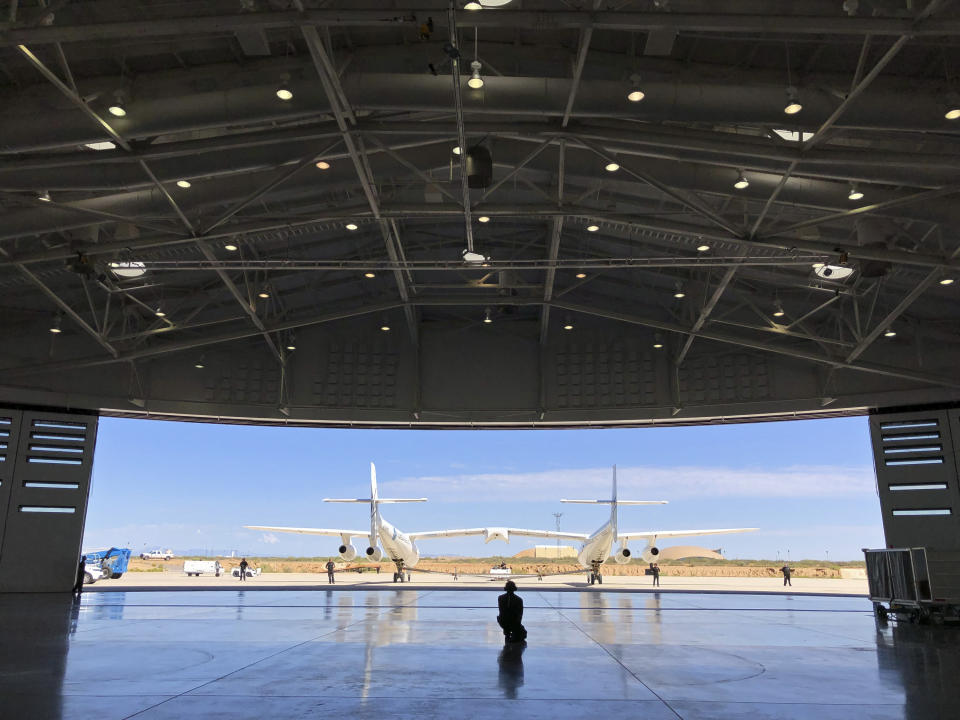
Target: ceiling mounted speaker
point(479, 167)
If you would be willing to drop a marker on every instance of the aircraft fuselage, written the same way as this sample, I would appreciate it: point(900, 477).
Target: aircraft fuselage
point(596, 548)
point(396, 545)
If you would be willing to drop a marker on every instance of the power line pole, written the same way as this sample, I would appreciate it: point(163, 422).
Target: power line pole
point(557, 516)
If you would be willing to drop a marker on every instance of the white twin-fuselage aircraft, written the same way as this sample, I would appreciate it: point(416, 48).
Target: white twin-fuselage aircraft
point(596, 548)
point(400, 548)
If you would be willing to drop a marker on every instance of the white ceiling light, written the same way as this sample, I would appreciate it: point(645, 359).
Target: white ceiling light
point(947, 281)
point(635, 94)
point(159, 312)
point(952, 108)
point(369, 275)
point(793, 105)
point(889, 333)
point(231, 247)
point(456, 150)
point(657, 341)
point(55, 325)
point(199, 364)
point(105, 145)
point(475, 81)
point(494, 3)
point(323, 165)
point(580, 275)
point(778, 311)
point(128, 269)
point(611, 167)
point(486, 317)
point(473, 6)
point(291, 347)
point(855, 193)
point(117, 108)
point(679, 294)
point(832, 272)
point(473, 258)
point(351, 226)
point(385, 327)
point(568, 325)
point(702, 248)
point(264, 292)
point(184, 184)
point(793, 135)
point(592, 228)
point(45, 196)
point(742, 183)
point(483, 219)
point(284, 92)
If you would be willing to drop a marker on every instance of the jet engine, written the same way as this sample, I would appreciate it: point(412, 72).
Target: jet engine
point(347, 552)
point(374, 554)
point(623, 555)
point(650, 554)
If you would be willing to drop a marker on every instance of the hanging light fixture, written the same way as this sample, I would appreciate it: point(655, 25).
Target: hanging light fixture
point(679, 294)
point(568, 325)
point(284, 92)
point(483, 219)
point(486, 317)
point(703, 248)
point(952, 108)
point(351, 226)
point(793, 105)
point(231, 247)
point(889, 333)
point(592, 228)
point(292, 343)
point(854, 193)
point(635, 94)
point(580, 275)
point(55, 325)
point(199, 363)
point(385, 327)
point(742, 183)
point(323, 165)
point(183, 183)
point(475, 81)
point(611, 166)
point(117, 107)
point(369, 275)
point(778, 310)
point(657, 341)
point(44, 196)
point(264, 292)
point(473, 6)
point(159, 312)
point(947, 281)
point(456, 150)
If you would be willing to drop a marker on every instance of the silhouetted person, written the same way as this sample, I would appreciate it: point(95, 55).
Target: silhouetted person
point(81, 571)
point(655, 571)
point(786, 570)
point(511, 614)
point(539, 573)
point(510, 662)
point(330, 569)
point(243, 569)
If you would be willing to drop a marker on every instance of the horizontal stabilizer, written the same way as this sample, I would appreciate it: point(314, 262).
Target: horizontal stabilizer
point(380, 501)
point(618, 502)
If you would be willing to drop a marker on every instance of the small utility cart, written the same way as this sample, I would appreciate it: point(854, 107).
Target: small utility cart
point(914, 583)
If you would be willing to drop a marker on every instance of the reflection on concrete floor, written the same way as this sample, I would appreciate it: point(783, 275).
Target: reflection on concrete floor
point(438, 653)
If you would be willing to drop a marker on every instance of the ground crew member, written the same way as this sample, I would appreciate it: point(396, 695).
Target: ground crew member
point(243, 569)
point(786, 570)
point(655, 571)
point(511, 614)
point(330, 569)
point(81, 571)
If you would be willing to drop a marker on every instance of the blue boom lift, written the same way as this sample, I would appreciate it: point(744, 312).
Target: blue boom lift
point(113, 561)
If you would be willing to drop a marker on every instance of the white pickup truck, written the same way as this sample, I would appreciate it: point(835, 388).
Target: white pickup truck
point(156, 555)
point(202, 567)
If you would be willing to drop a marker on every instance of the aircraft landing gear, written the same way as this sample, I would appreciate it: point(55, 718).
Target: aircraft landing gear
point(595, 576)
point(400, 575)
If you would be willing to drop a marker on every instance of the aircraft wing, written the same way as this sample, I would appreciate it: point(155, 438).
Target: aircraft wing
point(448, 533)
point(679, 533)
point(345, 534)
point(553, 534)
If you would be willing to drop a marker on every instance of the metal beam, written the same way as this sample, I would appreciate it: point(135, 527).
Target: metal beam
point(461, 131)
point(390, 17)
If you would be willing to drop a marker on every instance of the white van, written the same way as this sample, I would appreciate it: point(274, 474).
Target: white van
point(202, 567)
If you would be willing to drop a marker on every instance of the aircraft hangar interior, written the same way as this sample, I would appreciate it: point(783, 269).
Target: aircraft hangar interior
point(508, 214)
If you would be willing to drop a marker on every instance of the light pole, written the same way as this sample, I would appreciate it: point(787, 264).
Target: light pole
point(557, 516)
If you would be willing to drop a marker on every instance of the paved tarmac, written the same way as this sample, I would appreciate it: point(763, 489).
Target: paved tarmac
point(409, 654)
point(421, 580)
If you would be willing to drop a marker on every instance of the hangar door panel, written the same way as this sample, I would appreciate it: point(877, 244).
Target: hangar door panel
point(469, 369)
point(915, 457)
point(9, 432)
point(46, 501)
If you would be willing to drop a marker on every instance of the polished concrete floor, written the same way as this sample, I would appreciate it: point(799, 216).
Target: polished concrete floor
point(347, 653)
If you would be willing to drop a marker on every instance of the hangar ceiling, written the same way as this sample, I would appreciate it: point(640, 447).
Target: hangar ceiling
point(177, 238)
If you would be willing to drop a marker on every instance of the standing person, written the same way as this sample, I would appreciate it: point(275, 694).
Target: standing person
point(786, 570)
point(539, 573)
point(243, 569)
point(456, 574)
point(511, 614)
point(655, 567)
point(81, 571)
point(330, 568)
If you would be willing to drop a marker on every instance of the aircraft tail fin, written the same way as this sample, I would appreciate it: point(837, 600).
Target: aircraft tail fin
point(614, 501)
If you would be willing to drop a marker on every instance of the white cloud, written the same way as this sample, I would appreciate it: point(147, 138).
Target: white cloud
point(644, 483)
point(269, 538)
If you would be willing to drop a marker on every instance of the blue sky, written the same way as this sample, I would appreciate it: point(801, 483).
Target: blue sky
point(809, 485)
